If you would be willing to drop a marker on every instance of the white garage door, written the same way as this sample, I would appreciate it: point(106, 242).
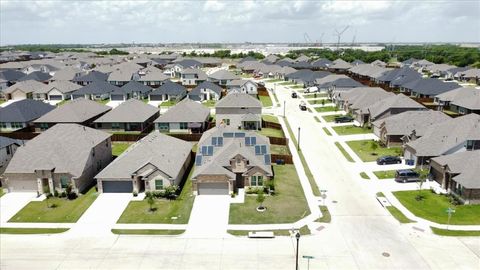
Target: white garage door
point(213, 189)
point(22, 185)
point(17, 94)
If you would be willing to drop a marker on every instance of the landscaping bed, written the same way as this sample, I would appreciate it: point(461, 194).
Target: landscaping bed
point(286, 206)
point(370, 150)
point(303, 231)
point(351, 130)
point(32, 230)
point(65, 211)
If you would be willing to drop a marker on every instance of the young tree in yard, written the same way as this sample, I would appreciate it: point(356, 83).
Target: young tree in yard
point(323, 102)
point(260, 199)
point(373, 146)
point(150, 202)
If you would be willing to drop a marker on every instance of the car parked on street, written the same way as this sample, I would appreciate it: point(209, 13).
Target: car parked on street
point(302, 106)
point(405, 176)
point(343, 119)
point(294, 95)
point(389, 160)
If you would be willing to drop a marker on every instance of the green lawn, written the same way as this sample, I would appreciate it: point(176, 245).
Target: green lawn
point(363, 148)
point(279, 149)
point(2, 192)
point(138, 211)
point(315, 95)
point(266, 101)
point(433, 207)
point(287, 83)
point(345, 154)
point(350, 130)
point(119, 147)
point(273, 80)
point(103, 101)
point(168, 103)
point(326, 109)
point(308, 173)
point(209, 103)
point(364, 175)
point(272, 132)
point(297, 87)
point(32, 230)
point(62, 102)
point(286, 206)
point(316, 119)
point(380, 194)
point(2, 101)
point(303, 231)
point(385, 174)
point(444, 232)
point(147, 232)
point(66, 211)
point(327, 131)
point(270, 118)
point(398, 215)
point(319, 101)
point(326, 217)
point(331, 118)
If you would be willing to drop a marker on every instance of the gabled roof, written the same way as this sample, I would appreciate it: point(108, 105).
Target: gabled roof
point(5, 141)
point(130, 111)
point(64, 148)
point(133, 86)
point(170, 88)
point(187, 111)
point(92, 76)
point(340, 64)
point(223, 74)
point(76, 111)
point(200, 73)
point(239, 83)
point(238, 100)
point(24, 110)
point(399, 101)
point(154, 76)
point(406, 122)
point(11, 75)
point(166, 153)
point(29, 86)
point(66, 74)
point(322, 62)
point(120, 76)
point(62, 86)
point(429, 86)
point(188, 63)
point(398, 73)
point(205, 85)
point(357, 62)
point(36, 76)
point(96, 88)
point(465, 164)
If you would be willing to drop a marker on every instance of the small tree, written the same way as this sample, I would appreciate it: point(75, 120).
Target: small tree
point(373, 146)
point(260, 198)
point(151, 202)
point(323, 102)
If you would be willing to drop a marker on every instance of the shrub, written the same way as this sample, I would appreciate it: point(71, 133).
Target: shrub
point(62, 194)
point(148, 194)
point(135, 194)
point(232, 195)
point(55, 193)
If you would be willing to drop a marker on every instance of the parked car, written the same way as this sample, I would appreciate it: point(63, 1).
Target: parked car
point(343, 119)
point(294, 95)
point(389, 160)
point(407, 176)
point(302, 106)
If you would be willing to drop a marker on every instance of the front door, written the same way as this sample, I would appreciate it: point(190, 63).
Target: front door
point(45, 185)
point(239, 183)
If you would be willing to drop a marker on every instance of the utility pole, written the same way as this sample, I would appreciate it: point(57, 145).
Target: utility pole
point(297, 236)
point(298, 141)
point(284, 103)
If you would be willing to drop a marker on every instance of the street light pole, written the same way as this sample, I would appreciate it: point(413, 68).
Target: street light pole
point(297, 235)
point(298, 141)
point(284, 102)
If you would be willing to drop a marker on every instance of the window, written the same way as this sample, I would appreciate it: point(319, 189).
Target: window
point(64, 181)
point(16, 125)
point(43, 126)
point(256, 180)
point(158, 184)
point(163, 126)
point(3, 125)
point(226, 121)
point(183, 125)
point(8, 150)
point(115, 125)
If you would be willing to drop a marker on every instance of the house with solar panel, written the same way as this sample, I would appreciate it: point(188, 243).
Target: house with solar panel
point(229, 159)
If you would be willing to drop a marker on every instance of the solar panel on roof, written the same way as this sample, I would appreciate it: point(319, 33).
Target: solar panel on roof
point(214, 140)
point(264, 149)
point(228, 134)
point(210, 150)
point(267, 159)
point(198, 160)
point(204, 150)
point(239, 134)
point(220, 141)
point(258, 150)
point(253, 140)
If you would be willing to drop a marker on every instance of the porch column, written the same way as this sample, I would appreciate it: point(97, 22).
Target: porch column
point(50, 185)
point(39, 186)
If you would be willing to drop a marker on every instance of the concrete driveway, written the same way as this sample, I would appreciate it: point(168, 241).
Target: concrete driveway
point(209, 217)
point(11, 203)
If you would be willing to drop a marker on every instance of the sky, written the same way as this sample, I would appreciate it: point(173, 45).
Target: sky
point(91, 21)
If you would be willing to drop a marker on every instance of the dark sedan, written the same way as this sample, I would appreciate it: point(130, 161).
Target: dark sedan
point(343, 119)
point(389, 160)
point(294, 95)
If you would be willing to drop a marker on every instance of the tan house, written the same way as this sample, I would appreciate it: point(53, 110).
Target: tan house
point(66, 154)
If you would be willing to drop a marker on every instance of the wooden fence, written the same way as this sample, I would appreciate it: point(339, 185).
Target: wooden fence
point(266, 124)
point(287, 159)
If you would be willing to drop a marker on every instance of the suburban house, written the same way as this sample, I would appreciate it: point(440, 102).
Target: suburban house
point(396, 77)
point(392, 129)
point(90, 77)
point(427, 88)
point(452, 136)
point(131, 115)
point(240, 111)
point(21, 114)
point(79, 111)
point(193, 76)
point(7, 150)
point(132, 89)
point(75, 154)
point(339, 66)
point(205, 91)
point(121, 77)
point(386, 107)
point(178, 67)
point(470, 76)
point(56, 91)
point(458, 174)
point(229, 159)
point(23, 89)
point(168, 91)
point(462, 100)
point(97, 90)
point(187, 116)
point(361, 97)
point(154, 79)
point(9, 77)
point(67, 74)
point(151, 164)
point(242, 86)
point(36, 76)
point(222, 77)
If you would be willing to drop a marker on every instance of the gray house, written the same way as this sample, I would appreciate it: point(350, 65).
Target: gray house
point(168, 91)
point(187, 116)
point(222, 77)
point(151, 164)
point(22, 113)
point(7, 150)
point(132, 89)
point(75, 154)
point(132, 115)
point(229, 159)
point(98, 90)
point(205, 91)
point(240, 111)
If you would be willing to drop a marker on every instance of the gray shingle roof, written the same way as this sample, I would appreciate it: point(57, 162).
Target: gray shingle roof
point(170, 88)
point(197, 91)
point(187, 111)
point(430, 87)
point(466, 165)
point(166, 153)
point(11, 75)
point(154, 76)
point(130, 111)
point(36, 76)
point(406, 122)
point(63, 147)
point(399, 101)
point(464, 97)
point(238, 100)
point(62, 86)
point(29, 86)
point(96, 88)
point(4, 142)
point(223, 74)
point(134, 86)
point(24, 110)
point(92, 76)
point(76, 111)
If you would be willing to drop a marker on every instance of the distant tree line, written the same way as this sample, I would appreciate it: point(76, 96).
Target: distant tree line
point(112, 52)
point(225, 54)
point(54, 48)
point(448, 54)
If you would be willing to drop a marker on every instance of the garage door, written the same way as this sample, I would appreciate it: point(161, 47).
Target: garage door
point(116, 97)
point(213, 189)
point(156, 97)
point(55, 97)
point(117, 186)
point(22, 185)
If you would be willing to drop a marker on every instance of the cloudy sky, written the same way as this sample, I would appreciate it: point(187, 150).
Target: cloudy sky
point(91, 21)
